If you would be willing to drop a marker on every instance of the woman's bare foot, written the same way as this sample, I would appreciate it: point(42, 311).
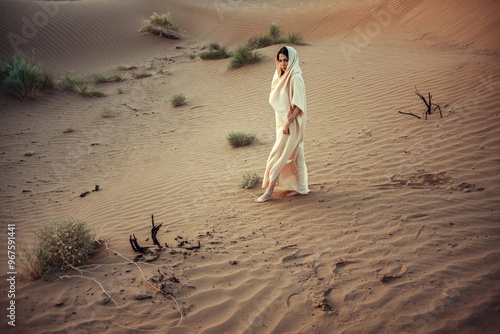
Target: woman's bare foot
point(264, 198)
point(293, 193)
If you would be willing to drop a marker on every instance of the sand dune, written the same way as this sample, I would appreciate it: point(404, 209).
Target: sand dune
point(398, 235)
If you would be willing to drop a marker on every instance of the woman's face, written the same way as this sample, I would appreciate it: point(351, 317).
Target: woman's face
point(283, 62)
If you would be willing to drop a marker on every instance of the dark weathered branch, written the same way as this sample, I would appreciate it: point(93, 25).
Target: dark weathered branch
point(154, 231)
point(135, 245)
point(409, 113)
point(438, 107)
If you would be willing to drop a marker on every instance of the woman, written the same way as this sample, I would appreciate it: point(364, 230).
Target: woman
point(286, 166)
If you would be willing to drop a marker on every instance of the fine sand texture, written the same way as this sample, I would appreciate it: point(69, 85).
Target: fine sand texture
point(401, 230)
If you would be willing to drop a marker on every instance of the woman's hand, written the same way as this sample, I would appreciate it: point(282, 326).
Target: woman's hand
point(286, 128)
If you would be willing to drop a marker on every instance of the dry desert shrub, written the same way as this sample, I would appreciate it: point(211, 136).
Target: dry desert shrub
point(248, 179)
point(177, 100)
point(240, 138)
point(80, 86)
point(58, 245)
point(162, 25)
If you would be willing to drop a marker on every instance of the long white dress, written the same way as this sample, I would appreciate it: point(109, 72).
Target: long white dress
point(286, 160)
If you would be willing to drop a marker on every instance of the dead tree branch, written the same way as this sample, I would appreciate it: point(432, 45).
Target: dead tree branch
point(154, 231)
point(409, 113)
point(135, 245)
point(428, 104)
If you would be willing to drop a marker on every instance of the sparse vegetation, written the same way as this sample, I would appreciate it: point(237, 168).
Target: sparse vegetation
point(275, 33)
point(141, 75)
point(192, 56)
point(274, 37)
point(240, 138)
point(215, 54)
point(68, 130)
point(177, 100)
point(259, 42)
point(101, 79)
point(126, 67)
point(23, 78)
point(58, 245)
point(119, 90)
point(106, 111)
point(244, 55)
point(29, 153)
point(294, 38)
point(162, 25)
point(80, 86)
point(248, 179)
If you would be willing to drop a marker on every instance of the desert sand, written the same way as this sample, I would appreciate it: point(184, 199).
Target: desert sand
point(400, 233)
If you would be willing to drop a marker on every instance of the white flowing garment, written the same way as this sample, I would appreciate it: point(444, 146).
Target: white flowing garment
point(286, 161)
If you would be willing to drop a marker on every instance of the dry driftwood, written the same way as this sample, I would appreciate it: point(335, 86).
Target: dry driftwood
point(428, 104)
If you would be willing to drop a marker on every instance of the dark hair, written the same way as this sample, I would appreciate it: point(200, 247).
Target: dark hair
point(283, 51)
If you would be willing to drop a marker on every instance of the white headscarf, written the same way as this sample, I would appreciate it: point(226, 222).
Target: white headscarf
point(288, 90)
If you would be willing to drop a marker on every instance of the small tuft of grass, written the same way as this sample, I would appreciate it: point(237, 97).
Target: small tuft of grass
point(34, 261)
point(102, 79)
point(23, 78)
point(105, 111)
point(244, 55)
point(119, 90)
point(69, 129)
point(248, 179)
point(220, 53)
point(240, 138)
point(58, 245)
point(126, 67)
point(177, 100)
point(162, 25)
point(259, 42)
point(141, 75)
point(274, 37)
point(80, 86)
point(214, 46)
point(192, 56)
point(294, 38)
point(29, 153)
point(275, 33)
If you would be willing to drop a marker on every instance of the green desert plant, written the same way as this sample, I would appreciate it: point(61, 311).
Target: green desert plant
point(275, 33)
point(23, 78)
point(248, 179)
point(240, 138)
point(34, 261)
point(259, 42)
point(274, 37)
point(58, 245)
point(244, 55)
point(294, 38)
point(177, 100)
point(98, 78)
point(220, 53)
point(80, 86)
point(119, 90)
point(162, 25)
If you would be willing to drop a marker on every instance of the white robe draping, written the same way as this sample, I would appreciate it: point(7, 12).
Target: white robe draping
point(286, 160)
